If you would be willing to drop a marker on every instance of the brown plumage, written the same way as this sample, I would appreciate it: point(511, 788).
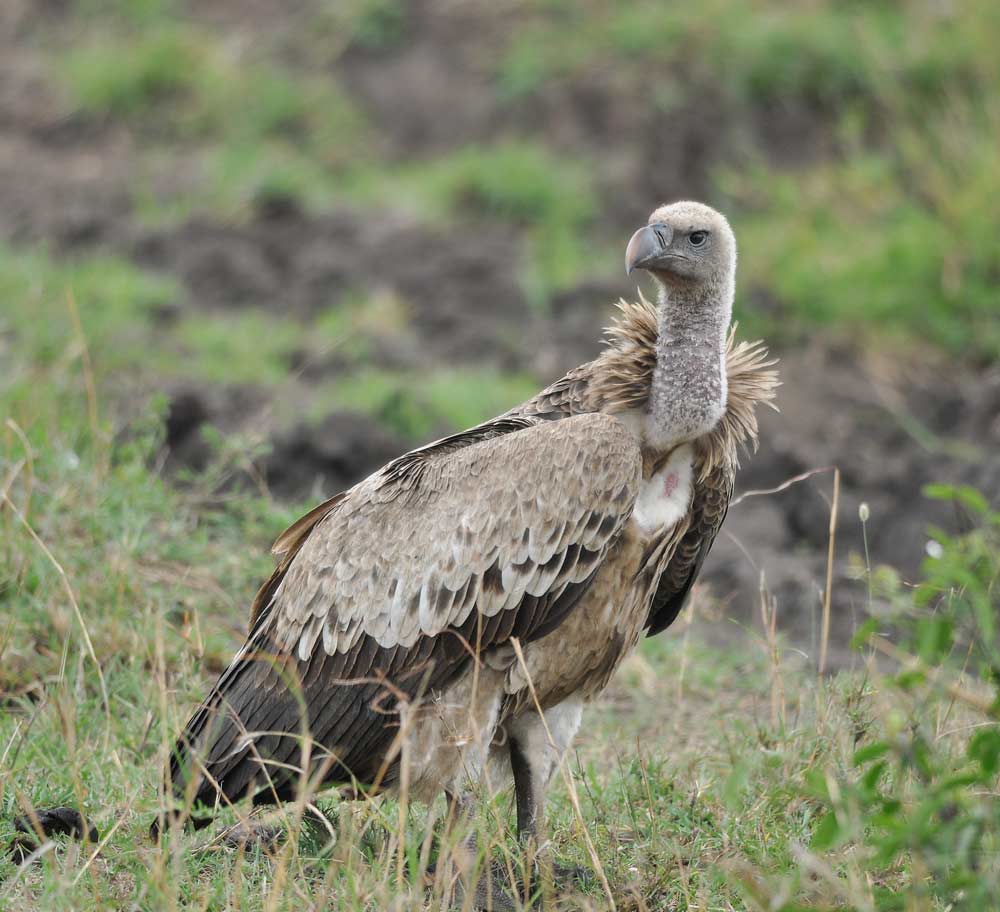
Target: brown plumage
point(572, 523)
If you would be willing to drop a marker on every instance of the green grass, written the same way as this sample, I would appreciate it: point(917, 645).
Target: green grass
point(114, 301)
point(550, 196)
point(137, 13)
point(824, 52)
point(890, 233)
point(156, 587)
point(184, 79)
point(703, 776)
point(255, 129)
point(162, 584)
point(693, 773)
point(417, 406)
point(377, 24)
point(249, 346)
point(898, 246)
point(126, 81)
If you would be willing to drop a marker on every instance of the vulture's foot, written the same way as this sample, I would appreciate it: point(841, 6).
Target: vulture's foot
point(489, 893)
point(570, 875)
point(548, 877)
point(250, 834)
point(46, 822)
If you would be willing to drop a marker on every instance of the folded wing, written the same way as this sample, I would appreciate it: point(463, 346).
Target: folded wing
point(449, 551)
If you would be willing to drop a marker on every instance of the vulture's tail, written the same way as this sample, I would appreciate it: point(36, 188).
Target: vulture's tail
point(223, 753)
point(248, 737)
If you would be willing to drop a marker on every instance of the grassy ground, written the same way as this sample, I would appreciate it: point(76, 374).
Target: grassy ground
point(709, 777)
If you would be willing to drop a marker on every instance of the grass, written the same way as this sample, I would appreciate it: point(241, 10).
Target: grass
point(162, 584)
point(246, 347)
point(419, 406)
point(197, 88)
point(824, 52)
point(254, 128)
point(112, 297)
point(549, 199)
point(850, 227)
point(121, 312)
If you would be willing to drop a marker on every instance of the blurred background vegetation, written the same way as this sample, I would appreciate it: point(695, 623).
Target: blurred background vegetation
point(251, 250)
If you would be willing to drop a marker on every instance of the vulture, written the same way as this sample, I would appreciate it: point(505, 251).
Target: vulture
point(461, 605)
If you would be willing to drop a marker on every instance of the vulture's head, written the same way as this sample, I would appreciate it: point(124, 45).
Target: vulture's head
point(684, 243)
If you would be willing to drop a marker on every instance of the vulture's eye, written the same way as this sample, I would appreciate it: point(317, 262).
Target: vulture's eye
point(698, 238)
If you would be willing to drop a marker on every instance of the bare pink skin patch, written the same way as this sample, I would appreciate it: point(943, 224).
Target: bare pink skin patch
point(665, 496)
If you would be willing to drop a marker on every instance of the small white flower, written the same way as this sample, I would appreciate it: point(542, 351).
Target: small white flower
point(934, 549)
point(863, 512)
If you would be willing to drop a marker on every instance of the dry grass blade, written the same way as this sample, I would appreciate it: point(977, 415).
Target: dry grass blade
point(828, 591)
point(784, 486)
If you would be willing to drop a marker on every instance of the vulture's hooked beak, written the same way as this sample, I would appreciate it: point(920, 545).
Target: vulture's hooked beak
point(647, 247)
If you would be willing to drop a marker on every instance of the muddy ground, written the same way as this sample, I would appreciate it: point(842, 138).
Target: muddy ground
point(891, 424)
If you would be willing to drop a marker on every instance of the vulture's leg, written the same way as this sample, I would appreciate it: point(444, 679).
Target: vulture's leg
point(535, 751)
point(486, 890)
point(528, 792)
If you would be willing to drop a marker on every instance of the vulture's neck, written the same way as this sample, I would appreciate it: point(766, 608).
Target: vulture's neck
point(687, 396)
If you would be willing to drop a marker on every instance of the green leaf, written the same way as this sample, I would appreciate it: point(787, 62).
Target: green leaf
point(956, 781)
point(985, 617)
point(972, 499)
point(964, 494)
point(816, 784)
point(939, 491)
point(864, 633)
point(869, 782)
point(934, 638)
point(870, 752)
point(910, 678)
point(984, 749)
point(827, 833)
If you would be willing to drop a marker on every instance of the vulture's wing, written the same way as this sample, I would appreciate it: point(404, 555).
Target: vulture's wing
point(445, 552)
point(708, 511)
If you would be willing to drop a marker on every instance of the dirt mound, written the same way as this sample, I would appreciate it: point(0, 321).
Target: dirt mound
point(891, 428)
point(458, 287)
point(329, 456)
point(60, 175)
